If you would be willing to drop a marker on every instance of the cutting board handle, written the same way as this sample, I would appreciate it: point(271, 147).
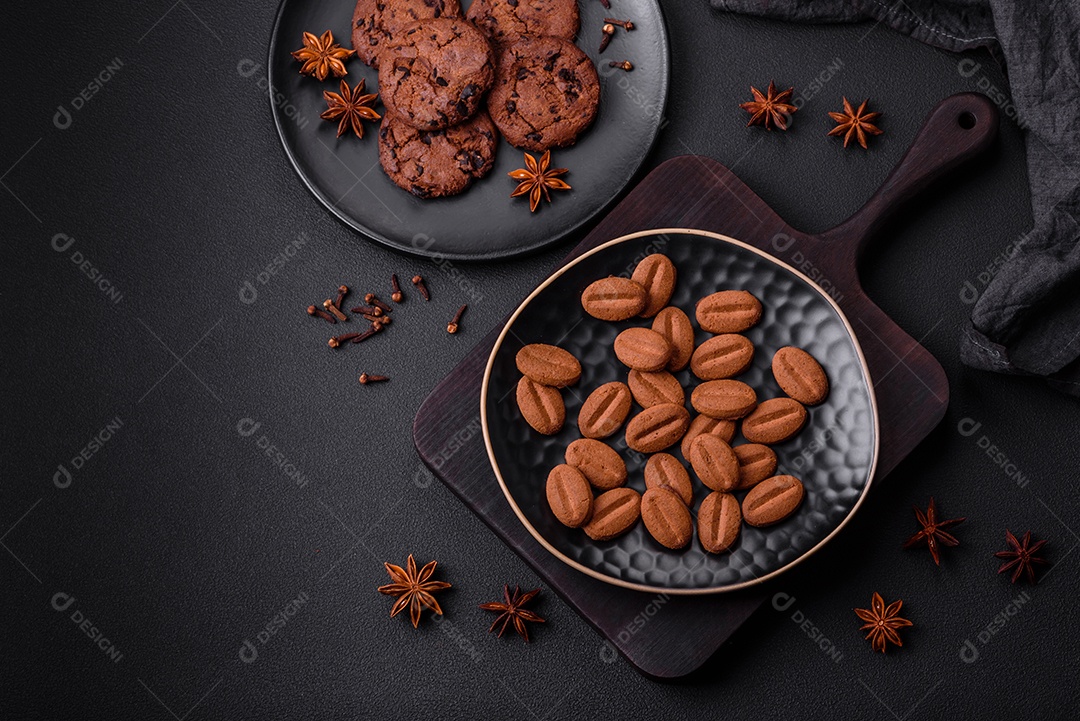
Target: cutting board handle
point(960, 127)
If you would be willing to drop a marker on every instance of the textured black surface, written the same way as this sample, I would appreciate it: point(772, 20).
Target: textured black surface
point(832, 455)
point(344, 173)
point(179, 538)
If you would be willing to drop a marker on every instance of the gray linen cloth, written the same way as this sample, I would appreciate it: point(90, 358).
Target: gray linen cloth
point(1027, 318)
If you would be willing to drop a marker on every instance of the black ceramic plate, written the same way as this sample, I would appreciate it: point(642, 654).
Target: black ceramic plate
point(482, 223)
point(834, 455)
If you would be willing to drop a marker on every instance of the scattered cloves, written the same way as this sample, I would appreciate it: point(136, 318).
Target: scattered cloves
point(312, 310)
point(341, 291)
point(367, 310)
point(624, 65)
point(624, 24)
point(375, 328)
point(452, 326)
point(380, 319)
point(339, 339)
point(418, 281)
point(397, 296)
point(329, 305)
point(366, 378)
point(372, 299)
point(608, 30)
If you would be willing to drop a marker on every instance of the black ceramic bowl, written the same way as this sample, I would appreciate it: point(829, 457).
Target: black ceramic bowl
point(834, 455)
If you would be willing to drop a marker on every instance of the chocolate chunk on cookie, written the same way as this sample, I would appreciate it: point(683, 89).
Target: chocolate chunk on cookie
point(435, 163)
point(434, 73)
point(546, 93)
point(504, 21)
point(375, 22)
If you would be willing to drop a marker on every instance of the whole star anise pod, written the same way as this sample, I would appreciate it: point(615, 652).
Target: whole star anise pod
point(536, 179)
point(413, 589)
point(931, 532)
point(855, 123)
point(511, 611)
point(881, 622)
point(771, 109)
point(321, 56)
point(352, 106)
point(1022, 559)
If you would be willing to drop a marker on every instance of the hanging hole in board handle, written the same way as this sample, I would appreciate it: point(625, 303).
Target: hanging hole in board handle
point(966, 120)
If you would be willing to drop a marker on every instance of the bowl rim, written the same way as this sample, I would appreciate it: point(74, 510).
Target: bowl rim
point(666, 589)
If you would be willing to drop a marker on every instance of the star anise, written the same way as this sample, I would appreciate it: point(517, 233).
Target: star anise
point(512, 611)
point(536, 179)
point(931, 532)
point(881, 622)
point(855, 123)
point(352, 106)
point(771, 109)
point(321, 56)
point(1022, 559)
point(413, 589)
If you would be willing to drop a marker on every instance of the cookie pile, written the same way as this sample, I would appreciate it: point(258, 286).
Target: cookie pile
point(450, 84)
point(723, 406)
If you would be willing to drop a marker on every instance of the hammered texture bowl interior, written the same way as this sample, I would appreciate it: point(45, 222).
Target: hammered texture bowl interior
point(833, 455)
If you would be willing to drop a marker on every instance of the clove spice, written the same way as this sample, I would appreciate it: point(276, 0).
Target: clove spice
point(366, 378)
point(339, 339)
point(341, 291)
point(418, 281)
point(452, 326)
point(312, 310)
point(608, 30)
point(329, 305)
point(372, 299)
point(624, 65)
point(397, 296)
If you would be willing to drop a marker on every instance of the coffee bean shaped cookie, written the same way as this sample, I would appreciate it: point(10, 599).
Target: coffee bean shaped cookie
point(664, 469)
point(546, 93)
point(800, 375)
point(437, 163)
point(774, 421)
point(541, 406)
point(605, 410)
point(722, 356)
point(724, 430)
point(714, 463)
point(434, 73)
point(569, 496)
point(756, 463)
point(505, 21)
point(642, 349)
point(656, 387)
point(614, 513)
point(772, 500)
point(719, 521)
point(729, 311)
point(613, 298)
point(601, 465)
point(656, 274)
point(674, 325)
point(666, 518)
point(548, 365)
point(375, 22)
point(726, 399)
point(657, 428)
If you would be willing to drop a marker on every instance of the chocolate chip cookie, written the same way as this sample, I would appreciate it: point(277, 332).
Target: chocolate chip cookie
point(546, 93)
point(434, 73)
point(504, 21)
point(436, 163)
point(375, 22)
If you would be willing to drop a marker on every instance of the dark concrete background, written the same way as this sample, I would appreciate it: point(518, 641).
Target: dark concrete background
point(180, 539)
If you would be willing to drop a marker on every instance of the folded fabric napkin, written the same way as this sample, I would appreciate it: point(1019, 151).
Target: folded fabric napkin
point(1027, 318)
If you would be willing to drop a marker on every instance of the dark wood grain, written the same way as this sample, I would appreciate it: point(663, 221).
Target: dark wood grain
point(671, 636)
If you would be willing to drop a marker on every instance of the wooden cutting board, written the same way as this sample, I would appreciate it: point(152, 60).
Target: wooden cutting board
point(681, 632)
